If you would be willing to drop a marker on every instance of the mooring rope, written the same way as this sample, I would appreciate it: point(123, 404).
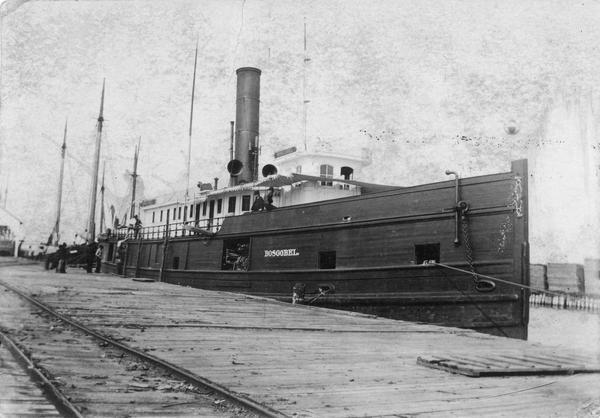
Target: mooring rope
point(497, 279)
point(476, 305)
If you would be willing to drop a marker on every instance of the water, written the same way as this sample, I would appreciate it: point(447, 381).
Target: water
point(575, 330)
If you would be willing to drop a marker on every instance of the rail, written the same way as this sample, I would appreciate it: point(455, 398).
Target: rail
point(52, 392)
point(257, 407)
point(176, 229)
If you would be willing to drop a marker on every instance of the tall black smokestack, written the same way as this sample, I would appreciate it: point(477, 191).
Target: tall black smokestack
point(243, 167)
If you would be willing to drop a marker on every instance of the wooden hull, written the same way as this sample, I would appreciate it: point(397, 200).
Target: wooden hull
point(7, 247)
point(367, 253)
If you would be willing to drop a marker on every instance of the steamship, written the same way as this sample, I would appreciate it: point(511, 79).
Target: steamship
point(452, 253)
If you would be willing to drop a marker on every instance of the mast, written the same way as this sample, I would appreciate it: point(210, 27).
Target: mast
point(102, 198)
point(189, 155)
point(60, 185)
point(134, 177)
point(304, 100)
point(91, 230)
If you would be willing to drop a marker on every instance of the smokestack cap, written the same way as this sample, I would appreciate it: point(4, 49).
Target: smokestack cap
point(247, 69)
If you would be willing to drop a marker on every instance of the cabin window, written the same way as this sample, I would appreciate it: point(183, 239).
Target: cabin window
point(204, 208)
point(326, 172)
point(326, 259)
point(185, 212)
point(191, 211)
point(347, 173)
point(174, 213)
point(153, 213)
point(426, 252)
point(175, 263)
point(161, 214)
point(245, 202)
point(219, 205)
point(231, 205)
point(236, 254)
point(179, 213)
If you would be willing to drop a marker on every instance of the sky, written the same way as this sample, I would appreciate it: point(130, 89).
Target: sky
point(424, 86)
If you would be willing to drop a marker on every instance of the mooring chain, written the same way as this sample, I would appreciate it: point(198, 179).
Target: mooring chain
point(467, 240)
point(517, 197)
point(481, 285)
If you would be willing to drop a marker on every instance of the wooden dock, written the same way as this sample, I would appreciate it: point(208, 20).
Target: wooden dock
point(19, 395)
point(313, 362)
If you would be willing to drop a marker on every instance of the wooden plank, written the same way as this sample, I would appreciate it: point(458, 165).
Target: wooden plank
point(310, 361)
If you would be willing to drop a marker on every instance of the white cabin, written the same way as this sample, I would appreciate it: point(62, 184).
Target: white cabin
point(296, 178)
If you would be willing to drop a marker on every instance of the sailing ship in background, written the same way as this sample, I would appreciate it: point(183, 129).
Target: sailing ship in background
point(7, 238)
point(452, 253)
point(11, 229)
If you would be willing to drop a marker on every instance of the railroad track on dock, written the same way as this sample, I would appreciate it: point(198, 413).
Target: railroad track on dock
point(50, 390)
point(63, 403)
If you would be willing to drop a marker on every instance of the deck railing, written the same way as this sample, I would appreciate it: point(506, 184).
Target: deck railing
point(176, 229)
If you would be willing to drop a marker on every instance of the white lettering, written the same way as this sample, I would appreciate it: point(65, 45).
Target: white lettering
point(288, 252)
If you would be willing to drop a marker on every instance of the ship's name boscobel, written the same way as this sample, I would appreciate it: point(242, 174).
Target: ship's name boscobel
point(289, 252)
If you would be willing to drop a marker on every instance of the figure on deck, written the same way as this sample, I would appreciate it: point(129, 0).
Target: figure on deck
point(137, 226)
point(269, 205)
point(259, 203)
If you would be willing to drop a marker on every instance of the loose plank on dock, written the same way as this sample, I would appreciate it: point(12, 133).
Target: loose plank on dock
point(306, 361)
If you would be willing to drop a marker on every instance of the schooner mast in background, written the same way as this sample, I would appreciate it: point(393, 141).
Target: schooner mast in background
point(102, 225)
point(55, 237)
point(189, 153)
point(134, 177)
point(91, 230)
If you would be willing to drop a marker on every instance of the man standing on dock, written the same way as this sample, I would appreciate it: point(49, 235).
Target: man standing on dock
point(99, 258)
point(61, 266)
point(90, 251)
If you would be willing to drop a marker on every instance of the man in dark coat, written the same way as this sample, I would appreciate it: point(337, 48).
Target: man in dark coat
point(259, 203)
point(90, 254)
point(62, 258)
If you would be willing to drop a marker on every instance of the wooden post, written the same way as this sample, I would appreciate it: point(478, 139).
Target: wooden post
point(125, 259)
point(164, 255)
point(139, 251)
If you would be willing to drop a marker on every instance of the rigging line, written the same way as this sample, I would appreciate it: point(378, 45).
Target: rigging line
point(69, 154)
point(476, 305)
point(498, 280)
point(70, 193)
point(77, 159)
